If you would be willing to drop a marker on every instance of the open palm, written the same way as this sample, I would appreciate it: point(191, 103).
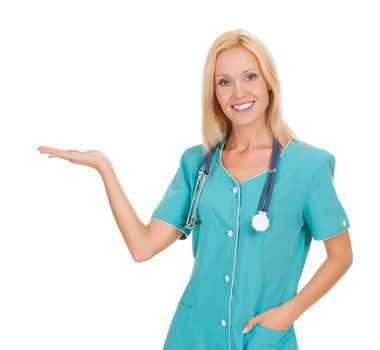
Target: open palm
point(91, 158)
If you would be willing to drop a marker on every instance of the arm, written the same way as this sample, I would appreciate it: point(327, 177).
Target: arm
point(143, 241)
point(339, 259)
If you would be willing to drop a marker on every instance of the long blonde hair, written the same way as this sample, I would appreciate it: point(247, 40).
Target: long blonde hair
point(215, 124)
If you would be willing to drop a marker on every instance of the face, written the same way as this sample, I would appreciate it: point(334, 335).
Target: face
point(240, 87)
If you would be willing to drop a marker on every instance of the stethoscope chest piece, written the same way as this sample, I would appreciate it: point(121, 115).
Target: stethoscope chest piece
point(260, 221)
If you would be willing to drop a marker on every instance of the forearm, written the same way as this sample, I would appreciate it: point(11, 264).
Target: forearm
point(132, 229)
point(331, 270)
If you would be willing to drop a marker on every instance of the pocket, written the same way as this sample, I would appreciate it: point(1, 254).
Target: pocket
point(263, 338)
point(263, 330)
point(181, 330)
point(185, 311)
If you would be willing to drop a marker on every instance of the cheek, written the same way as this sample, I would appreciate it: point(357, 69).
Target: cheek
point(222, 96)
point(262, 89)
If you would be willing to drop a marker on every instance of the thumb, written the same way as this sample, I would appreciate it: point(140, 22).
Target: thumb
point(251, 323)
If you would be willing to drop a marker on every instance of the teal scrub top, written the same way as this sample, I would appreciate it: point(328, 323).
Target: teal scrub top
point(239, 273)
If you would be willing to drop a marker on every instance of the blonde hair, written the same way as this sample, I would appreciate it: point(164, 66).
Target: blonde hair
point(215, 124)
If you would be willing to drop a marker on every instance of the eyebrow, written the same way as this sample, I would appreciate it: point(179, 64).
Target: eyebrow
point(225, 75)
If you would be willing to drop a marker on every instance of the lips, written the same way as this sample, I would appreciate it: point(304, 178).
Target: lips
point(243, 107)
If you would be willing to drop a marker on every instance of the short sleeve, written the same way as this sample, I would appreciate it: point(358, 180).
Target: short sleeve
point(323, 212)
point(174, 206)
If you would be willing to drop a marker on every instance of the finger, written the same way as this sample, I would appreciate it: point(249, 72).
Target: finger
point(67, 155)
point(49, 150)
point(44, 149)
point(250, 324)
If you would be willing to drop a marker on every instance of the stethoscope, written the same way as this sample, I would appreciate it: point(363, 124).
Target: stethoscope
point(260, 221)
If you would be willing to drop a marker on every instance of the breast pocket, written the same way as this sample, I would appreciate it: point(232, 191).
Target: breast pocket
point(263, 338)
point(181, 329)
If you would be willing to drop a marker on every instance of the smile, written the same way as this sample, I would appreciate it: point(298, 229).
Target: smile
point(243, 107)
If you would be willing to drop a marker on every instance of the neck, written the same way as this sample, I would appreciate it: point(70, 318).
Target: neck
point(246, 137)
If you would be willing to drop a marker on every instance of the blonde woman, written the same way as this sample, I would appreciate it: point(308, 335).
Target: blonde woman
point(266, 196)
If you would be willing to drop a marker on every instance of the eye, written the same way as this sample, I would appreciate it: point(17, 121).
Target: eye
point(222, 81)
point(252, 75)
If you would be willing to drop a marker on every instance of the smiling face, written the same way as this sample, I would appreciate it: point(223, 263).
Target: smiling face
point(240, 88)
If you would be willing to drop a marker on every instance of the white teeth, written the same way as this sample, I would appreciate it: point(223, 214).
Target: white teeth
point(243, 106)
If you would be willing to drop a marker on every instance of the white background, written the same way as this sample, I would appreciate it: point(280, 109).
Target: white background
point(125, 78)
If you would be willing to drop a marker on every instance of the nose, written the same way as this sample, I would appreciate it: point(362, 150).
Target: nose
point(239, 90)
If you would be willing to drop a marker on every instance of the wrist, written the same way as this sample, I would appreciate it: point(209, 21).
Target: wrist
point(103, 164)
point(292, 309)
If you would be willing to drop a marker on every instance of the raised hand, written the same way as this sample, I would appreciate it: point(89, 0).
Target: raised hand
point(91, 158)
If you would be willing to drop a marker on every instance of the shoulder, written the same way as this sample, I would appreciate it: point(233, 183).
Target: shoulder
point(192, 158)
point(309, 150)
point(193, 154)
point(309, 155)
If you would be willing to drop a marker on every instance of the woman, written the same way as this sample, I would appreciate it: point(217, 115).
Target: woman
point(242, 293)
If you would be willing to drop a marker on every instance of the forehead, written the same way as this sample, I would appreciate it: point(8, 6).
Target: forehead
point(235, 60)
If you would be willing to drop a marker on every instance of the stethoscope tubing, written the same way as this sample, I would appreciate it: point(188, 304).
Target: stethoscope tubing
point(201, 178)
point(207, 160)
point(268, 188)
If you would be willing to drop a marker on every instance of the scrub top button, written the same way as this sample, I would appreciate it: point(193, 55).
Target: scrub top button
point(226, 278)
point(223, 322)
point(230, 233)
point(235, 189)
point(344, 223)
